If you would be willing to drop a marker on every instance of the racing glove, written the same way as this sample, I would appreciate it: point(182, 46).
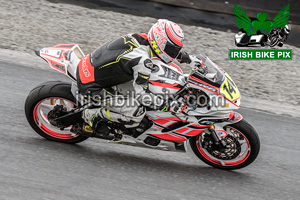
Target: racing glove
point(198, 64)
point(184, 57)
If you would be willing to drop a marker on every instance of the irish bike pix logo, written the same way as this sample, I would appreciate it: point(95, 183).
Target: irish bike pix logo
point(261, 33)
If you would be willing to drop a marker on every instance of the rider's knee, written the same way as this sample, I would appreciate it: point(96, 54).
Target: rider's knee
point(138, 114)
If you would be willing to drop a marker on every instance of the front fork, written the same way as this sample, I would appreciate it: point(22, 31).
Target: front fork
point(217, 130)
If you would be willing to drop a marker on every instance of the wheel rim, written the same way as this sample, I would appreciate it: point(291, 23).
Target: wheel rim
point(41, 111)
point(243, 149)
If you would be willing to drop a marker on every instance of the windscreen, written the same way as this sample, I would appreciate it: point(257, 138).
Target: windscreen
point(212, 71)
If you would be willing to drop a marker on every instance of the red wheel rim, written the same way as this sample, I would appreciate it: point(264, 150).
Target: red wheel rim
point(40, 117)
point(242, 157)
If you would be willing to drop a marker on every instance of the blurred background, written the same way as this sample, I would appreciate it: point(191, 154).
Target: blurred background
point(215, 14)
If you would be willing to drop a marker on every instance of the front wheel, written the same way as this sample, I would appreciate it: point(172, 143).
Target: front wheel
point(41, 101)
point(242, 147)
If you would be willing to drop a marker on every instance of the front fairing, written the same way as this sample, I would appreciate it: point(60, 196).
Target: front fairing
point(228, 89)
point(217, 84)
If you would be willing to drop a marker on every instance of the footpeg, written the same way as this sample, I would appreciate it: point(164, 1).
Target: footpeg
point(118, 136)
point(86, 130)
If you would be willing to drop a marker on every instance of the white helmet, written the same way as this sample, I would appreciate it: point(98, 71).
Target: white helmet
point(287, 29)
point(166, 39)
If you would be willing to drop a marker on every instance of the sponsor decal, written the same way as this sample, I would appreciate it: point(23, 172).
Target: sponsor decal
point(170, 74)
point(58, 66)
point(155, 47)
point(85, 70)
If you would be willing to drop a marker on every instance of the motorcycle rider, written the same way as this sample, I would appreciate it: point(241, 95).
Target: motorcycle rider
point(124, 59)
point(284, 33)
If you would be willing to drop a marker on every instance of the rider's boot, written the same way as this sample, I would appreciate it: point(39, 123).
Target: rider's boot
point(95, 124)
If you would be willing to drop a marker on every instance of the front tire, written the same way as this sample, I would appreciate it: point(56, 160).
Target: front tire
point(41, 100)
point(242, 136)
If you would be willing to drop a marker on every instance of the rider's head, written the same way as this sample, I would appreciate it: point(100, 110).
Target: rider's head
point(166, 39)
point(287, 29)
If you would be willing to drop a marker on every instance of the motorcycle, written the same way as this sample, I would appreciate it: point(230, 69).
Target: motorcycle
point(278, 36)
point(217, 135)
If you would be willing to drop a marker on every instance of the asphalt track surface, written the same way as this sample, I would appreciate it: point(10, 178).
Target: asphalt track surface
point(34, 168)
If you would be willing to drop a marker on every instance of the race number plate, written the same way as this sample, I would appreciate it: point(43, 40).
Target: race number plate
point(228, 89)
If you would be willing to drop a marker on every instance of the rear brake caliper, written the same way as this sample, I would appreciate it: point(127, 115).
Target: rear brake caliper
point(62, 118)
point(58, 111)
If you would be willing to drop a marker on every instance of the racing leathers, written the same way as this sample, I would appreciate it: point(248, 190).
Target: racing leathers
point(122, 60)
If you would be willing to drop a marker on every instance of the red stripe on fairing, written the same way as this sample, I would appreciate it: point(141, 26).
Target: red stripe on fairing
point(230, 115)
point(170, 137)
point(166, 85)
point(203, 82)
point(172, 35)
point(158, 127)
point(176, 119)
point(173, 118)
point(161, 121)
point(199, 126)
point(204, 88)
point(178, 68)
point(182, 130)
point(218, 95)
point(194, 132)
point(231, 101)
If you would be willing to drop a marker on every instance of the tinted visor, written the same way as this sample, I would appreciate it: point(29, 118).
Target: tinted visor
point(172, 50)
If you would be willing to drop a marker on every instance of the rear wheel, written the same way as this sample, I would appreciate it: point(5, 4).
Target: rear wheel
point(41, 100)
point(274, 41)
point(242, 147)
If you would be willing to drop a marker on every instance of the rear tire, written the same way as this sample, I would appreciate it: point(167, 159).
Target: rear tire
point(251, 137)
point(44, 92)
point(274, 41)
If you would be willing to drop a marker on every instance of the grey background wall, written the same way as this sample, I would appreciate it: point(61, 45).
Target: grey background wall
point(251, 7)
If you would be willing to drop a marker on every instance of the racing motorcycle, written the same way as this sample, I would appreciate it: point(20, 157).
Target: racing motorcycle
point(278, 36)
point(218, 135)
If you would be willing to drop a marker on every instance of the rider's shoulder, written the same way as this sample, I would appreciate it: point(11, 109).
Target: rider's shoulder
point(141, 38)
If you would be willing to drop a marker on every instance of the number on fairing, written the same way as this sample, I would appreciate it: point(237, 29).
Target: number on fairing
point(228, 89)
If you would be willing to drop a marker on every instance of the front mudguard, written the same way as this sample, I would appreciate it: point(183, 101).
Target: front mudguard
point(233, 118)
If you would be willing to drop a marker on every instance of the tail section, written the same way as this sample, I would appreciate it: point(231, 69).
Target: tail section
point(63, 58)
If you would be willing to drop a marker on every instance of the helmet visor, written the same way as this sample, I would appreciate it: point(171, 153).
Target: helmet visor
point(172, 50)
